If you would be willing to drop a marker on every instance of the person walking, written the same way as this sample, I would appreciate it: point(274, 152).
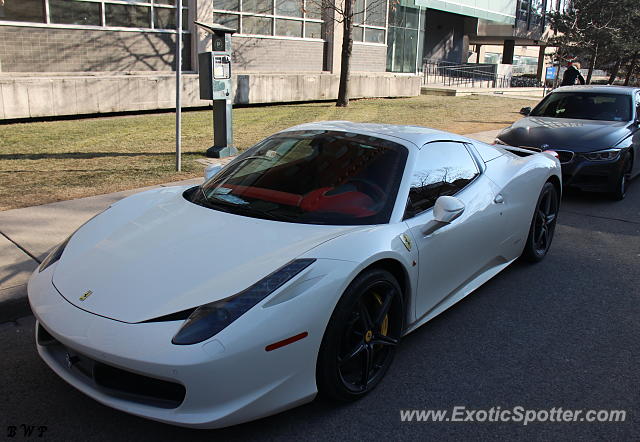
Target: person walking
point(571, 75)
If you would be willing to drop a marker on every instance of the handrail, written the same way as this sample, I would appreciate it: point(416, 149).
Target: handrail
point(474, 75)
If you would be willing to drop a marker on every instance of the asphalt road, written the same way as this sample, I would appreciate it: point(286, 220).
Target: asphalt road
point(562, 333)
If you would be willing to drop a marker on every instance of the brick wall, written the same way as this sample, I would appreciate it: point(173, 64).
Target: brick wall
point(25, 49)
point(368, 58)
point(274, 55)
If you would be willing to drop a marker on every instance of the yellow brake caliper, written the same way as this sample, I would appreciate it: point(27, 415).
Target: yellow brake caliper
point(384, 328)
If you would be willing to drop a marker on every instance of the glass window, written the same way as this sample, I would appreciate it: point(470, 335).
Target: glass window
point(313, 30)
point(376, 13)
point(257, 25)
point(168, 2)
point(165, 18)
point(374, 35)
point(311, 177)
point(358, 33)
point(229, 20)
point(258, 6)
point(74, 13)
point(313, 9)
point(358, 12)
point(227, 5)
point(127, 16)
point(22, 10)
point(442, 168)
point(289, 8)
point(585, 106)
point(289, 28)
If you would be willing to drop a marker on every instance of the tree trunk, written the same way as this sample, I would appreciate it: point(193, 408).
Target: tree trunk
point(345, 59)
point(634, 60)
point(592, 64)
point(614, 73)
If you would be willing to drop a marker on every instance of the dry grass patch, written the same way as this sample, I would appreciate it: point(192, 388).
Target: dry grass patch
point(44, 162)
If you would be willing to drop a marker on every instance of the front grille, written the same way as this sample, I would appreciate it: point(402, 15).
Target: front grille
point(565, 156)
point(111, 380)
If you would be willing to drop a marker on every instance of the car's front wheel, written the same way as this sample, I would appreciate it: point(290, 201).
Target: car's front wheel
point(623, 180)
point(543, 224)
point(362, 336)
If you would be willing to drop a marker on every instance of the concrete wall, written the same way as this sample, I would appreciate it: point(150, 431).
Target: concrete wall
point(28, 97)
point(32, 49)
point(368, 58)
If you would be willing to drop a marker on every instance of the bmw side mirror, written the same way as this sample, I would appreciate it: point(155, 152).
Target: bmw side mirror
point(211, 170)
point(525, 111)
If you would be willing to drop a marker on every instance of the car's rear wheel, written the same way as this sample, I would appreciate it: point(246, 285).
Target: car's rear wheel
point(543, 224)
point(623, 181)
point(362, 336)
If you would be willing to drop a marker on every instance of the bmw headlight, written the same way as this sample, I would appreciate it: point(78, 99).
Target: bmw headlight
point(210, 319)
point(603, 155)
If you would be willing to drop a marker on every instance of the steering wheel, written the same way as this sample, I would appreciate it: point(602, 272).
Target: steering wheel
point(370, 188)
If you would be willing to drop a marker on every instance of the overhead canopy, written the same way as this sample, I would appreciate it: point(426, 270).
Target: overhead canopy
point(502, 11)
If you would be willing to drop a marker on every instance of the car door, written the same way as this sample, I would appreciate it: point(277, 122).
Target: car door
point(452, 255)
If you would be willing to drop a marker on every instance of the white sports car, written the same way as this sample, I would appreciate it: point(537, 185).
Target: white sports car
point(294, 270)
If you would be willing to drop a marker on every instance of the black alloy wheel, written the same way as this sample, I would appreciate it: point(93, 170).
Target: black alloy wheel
point(543, 224)
point(362, 336)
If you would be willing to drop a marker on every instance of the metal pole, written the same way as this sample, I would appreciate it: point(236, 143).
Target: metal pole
point(178, 58)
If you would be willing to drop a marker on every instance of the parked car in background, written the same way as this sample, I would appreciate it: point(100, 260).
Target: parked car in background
point(593, 129)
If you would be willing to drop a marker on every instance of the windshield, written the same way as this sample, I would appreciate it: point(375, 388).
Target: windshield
point(585, 106)
point(313, 177)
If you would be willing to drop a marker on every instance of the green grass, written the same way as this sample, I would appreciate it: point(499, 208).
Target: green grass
point(43, 162)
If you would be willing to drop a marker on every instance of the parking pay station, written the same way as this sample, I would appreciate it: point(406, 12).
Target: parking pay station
point(215, 84)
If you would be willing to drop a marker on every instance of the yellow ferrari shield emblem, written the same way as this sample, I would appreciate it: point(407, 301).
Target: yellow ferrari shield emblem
point(406, 241)
point(85, 295)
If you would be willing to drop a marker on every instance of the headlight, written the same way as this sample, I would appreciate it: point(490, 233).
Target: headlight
point(54, 256)
point(210, 319)
point(603, 155)
point(56, 253)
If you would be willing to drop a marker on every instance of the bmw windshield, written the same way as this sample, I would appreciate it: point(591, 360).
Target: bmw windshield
point(312, 177)
point(585, 106)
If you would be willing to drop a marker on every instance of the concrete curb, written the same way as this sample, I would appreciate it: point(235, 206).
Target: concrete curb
point(13, 300)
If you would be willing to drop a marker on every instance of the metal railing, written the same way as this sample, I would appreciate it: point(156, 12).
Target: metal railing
point(482, 75)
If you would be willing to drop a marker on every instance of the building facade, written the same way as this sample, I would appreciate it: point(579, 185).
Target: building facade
point(61, 57)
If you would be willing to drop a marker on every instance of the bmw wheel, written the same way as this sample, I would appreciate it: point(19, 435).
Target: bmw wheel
point(623, 181)
point(362, 336)
point(543, 224)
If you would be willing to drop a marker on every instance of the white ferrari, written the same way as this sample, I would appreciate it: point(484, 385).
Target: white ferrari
point(295, 270)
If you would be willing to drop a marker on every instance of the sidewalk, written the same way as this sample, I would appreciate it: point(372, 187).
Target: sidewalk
point(27, 234)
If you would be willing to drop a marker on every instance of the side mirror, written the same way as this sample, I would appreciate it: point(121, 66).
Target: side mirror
point(447, 209)
point(211, 170)
point(525, 111)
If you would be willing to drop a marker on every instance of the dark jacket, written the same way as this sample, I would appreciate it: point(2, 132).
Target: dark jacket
point(570, 76)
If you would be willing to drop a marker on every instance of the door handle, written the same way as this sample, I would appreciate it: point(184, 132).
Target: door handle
point(499, 199)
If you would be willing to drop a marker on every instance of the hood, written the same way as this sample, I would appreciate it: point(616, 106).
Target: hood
point(155, 253)
point(567, 134)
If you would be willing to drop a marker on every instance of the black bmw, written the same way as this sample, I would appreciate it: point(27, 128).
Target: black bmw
point(595, 131)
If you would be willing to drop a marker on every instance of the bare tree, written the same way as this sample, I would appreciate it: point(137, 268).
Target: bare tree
point(347, 12)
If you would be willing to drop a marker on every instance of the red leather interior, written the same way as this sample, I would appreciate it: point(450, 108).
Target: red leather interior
point(350, 203)
point(289, 199)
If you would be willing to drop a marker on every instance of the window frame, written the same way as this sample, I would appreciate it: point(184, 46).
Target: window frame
point(364, 26)
point(473, 155)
